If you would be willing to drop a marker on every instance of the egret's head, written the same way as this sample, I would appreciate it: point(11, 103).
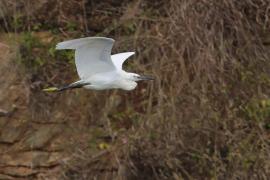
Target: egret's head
point(137, 77)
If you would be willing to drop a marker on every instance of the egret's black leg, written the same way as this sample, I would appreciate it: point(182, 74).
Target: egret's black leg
point(73, 86)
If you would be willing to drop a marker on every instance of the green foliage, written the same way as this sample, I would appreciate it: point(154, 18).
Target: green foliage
point(258, 110)
point(36, 54)
point(18, 21)
point(37, 26)
point(31, 57)
point(66, 55)
point(129, 27)
point(71, 26)
point(29, 41)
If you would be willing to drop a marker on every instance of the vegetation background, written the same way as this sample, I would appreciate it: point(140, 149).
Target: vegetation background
point(206, 116)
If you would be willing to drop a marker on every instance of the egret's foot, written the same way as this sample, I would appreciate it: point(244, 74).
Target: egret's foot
point(51, 89)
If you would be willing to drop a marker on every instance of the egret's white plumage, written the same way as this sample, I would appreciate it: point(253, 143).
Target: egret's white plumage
point(119, 59)
point(97, 68)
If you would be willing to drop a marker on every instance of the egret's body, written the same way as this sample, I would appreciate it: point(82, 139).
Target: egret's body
point(110, 80)
point(97, 68)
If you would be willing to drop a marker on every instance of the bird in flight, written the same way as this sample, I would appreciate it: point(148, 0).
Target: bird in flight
point(97, 68)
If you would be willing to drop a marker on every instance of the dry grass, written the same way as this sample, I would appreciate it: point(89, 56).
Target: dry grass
point(207, 114)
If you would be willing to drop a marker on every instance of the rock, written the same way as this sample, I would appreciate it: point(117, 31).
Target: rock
point(3, 112)
point(12, 132)
point(58, 144)
point(8, 113)
point(54, 159)
point(3, 122)
point(17, 171)
point(41, 137)
point(5, 177)
point(30, 159)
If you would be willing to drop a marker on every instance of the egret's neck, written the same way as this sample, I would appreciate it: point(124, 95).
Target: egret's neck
point(129, 81)
point(130, 76)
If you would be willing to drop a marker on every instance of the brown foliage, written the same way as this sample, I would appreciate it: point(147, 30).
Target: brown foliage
point(206, 115)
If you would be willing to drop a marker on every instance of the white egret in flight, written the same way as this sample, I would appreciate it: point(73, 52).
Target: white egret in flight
point(97, 68)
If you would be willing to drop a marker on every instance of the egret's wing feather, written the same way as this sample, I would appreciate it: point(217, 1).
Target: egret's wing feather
point(76, 43)
point(119, 59)
point(92, 55)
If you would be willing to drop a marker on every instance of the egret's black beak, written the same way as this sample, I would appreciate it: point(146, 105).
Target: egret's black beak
point(146, 78)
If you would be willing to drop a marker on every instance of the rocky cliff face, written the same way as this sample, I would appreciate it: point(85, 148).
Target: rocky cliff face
point(27, 149)
point(40, 137)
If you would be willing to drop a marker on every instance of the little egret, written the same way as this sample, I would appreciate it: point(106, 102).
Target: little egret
point(97, 68)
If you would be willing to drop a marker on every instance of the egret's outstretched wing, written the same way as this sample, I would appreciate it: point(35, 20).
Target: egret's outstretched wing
point(92, 55)
point(119, 59)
